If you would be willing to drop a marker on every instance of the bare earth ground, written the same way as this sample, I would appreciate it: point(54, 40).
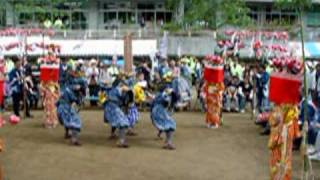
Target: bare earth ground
point(234, 152)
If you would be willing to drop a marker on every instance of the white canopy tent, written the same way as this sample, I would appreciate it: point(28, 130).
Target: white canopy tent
point(77, 47)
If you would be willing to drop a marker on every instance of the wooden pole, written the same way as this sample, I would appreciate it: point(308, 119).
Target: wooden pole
point(306, 163)
point(128, 59)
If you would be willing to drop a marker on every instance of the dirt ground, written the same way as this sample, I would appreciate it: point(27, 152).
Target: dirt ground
point(234, 152)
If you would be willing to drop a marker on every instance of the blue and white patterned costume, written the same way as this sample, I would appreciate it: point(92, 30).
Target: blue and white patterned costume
point(160, 116)
point(113, 114)
point(67, 115)
point(132, 115)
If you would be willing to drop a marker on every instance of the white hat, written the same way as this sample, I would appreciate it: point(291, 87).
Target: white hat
point(93, 61)
point(80, 61)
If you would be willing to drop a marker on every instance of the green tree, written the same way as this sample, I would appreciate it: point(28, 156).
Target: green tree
point(210, 13)
point(300, 6)
point(44, 7)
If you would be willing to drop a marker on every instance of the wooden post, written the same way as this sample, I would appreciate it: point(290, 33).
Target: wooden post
point(128, 59)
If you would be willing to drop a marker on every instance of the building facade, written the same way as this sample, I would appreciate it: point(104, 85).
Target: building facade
point(124, 14)
point(93, 14)
point(265, 12)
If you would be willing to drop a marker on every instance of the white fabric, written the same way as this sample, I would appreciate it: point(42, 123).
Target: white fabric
point(112, 71)
point(92, 71)
point(311, 78)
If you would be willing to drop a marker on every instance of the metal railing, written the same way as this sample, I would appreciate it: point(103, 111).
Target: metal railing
point(107, 34)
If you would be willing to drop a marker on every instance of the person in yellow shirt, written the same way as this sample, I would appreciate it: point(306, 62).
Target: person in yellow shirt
point(58, 24)
point(47, 24)
point(139, 93)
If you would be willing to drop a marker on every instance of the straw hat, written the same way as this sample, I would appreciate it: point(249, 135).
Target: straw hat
point(93, 62)
point(80, 61)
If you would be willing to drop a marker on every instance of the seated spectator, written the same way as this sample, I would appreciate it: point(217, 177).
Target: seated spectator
point(245, 94)
point(156, 82)
point(139, 87)
point(232, 95)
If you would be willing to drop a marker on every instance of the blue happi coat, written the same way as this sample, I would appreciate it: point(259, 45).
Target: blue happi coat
point(313, 116)
point(67, 115)
point(160, 116)
point(15, 81)
point(263, 91)
point(113, 114)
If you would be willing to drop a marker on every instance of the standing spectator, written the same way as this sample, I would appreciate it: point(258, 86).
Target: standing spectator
point(146, 71)
point(237, 69)
point(311, 77)
point(164, 68)
point(262, 89)
point(227, 74)
point(113, 69)
point(16, 86)
point(318, 81)
point(247, 72)
point(262, 92)
point(185, 71)
point(29, 93)
point(63, 72)
point(47, 24)
point(58, 24)
point(104, 76)
point(9, 65)
point(175, 70)
point(92, 79)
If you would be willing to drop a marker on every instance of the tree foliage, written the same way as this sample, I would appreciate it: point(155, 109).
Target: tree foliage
point(43, 5)
point(211, 13)
point(294, 4)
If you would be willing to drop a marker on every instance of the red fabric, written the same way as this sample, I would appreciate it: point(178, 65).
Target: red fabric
point(48, 73)
point(284, 89)
point(214, 74)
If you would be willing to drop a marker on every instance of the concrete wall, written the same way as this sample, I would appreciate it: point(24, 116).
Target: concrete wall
point(93, 20)
point(197, 46)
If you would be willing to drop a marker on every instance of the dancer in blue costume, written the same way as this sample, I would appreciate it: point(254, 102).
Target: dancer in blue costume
point(67, 113)
point(161, 117)
point(129, 105)
point(113, 114)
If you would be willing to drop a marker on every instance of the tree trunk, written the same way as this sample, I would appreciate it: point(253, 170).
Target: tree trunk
point(180, 12)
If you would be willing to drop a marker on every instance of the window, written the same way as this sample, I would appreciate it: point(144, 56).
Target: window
point(107, 6)
point(253, 16)
point(25, 18)
point(109, 16)
point(2, 17)
point(79, 20)
point(146, 6)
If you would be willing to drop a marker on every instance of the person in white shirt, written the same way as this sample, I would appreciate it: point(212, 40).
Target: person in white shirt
point(311, 77)
point(104, 76)
point(113, 70)
point(92, 74)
